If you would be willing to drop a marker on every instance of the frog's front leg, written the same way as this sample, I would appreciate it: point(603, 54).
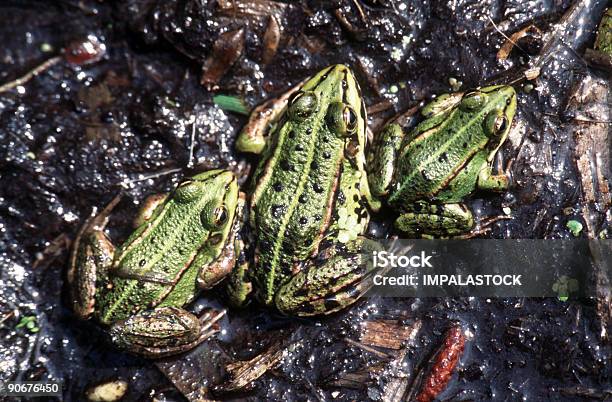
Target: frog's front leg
point(433, 220)
point(91, 258)
point(232, 254)
point(163, 331)
point(255, 134)
point(324, 288)
point(490, 182)
point(382, 158)
point(239, 285)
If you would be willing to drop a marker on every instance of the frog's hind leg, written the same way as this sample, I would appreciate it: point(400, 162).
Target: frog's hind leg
point(164, 331)
point(430, 220)
point(325, 288)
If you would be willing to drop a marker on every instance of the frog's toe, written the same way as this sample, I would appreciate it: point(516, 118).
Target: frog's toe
point(164, 331)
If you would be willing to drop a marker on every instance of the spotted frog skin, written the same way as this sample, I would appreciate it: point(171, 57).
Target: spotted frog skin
point(310, 197)
point(427, 173)
point(183, 242)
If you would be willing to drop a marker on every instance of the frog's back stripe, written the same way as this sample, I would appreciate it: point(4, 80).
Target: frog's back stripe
point(298, 206)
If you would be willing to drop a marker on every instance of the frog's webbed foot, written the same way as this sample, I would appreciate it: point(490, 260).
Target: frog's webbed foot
point(91, 258)
point(164, 331)
point(326, 288)
point(431, 220)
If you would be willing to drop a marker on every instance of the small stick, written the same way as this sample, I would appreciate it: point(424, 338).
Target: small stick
point(367, 348)
point(151, 176)
point(191, 144)
point(31, 74)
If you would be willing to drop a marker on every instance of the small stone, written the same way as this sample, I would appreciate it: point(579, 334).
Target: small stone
point(46, 48)
point(454, 83)
point(107, 391)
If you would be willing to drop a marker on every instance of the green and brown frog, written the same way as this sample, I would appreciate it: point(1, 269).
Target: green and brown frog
point(310, 199)
point(427, 173)
point(184, 241)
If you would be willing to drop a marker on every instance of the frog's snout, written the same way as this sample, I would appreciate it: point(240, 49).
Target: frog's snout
point(339, 71)
point(340, 68)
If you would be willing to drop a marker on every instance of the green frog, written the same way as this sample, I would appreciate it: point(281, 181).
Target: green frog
point(310, 198)
point(184, 241)
point(604, 34)
point(427, 173)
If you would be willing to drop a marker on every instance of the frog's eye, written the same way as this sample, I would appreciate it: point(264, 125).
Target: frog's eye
point(496, 123)
point(220, 216)
point(473, 100)
point(187, 191)
point(350, 118)
point(214, 217)
point(303, 104)
point(342, 119)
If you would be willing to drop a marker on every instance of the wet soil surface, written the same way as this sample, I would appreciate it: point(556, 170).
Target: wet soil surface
point(139, 119)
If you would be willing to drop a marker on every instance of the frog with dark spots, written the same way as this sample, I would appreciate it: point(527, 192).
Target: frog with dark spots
point(427, 173)
point(310, 185)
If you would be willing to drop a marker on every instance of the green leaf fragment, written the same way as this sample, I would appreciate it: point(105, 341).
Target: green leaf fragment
point(28, 322)
point(575, 227)
point(231, 104)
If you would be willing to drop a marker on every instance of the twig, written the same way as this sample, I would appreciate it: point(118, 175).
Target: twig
point(31, 74)
point(124, 183)
point(367, 348)
point(504, 35)
point(191, 144)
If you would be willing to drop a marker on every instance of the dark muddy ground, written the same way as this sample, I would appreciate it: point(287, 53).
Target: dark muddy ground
point(138, 120)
